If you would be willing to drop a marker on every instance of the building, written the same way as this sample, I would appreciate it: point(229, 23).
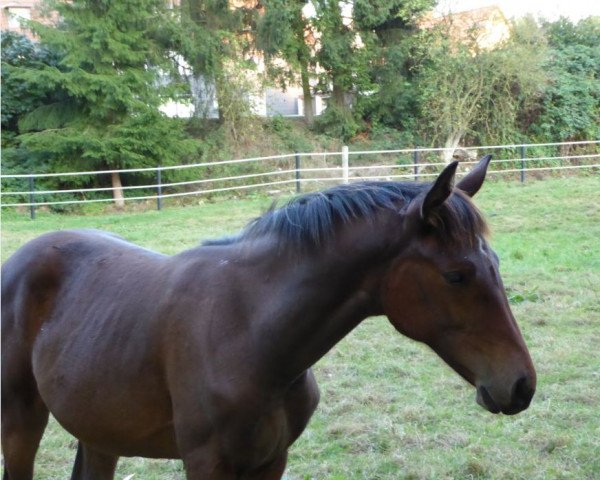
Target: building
point(14, 12)
point(485, 27)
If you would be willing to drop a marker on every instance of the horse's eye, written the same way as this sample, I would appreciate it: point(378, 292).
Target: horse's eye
point(454, 277)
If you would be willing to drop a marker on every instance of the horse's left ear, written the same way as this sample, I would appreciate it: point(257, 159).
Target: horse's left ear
point(424, 205)
point(472, 182)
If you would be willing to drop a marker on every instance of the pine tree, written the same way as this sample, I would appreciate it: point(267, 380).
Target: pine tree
point(110, 73)
point(282, 35)
point(214, 40)
point(396, 46)
point(348, 51)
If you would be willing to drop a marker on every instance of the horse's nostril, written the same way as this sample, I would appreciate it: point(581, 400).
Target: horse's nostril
point(522, 392)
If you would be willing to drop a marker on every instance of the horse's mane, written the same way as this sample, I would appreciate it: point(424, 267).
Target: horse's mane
point(310, 219)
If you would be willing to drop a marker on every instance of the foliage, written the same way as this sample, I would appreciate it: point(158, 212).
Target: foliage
point(130, 143)
point(20, 97)
point(105, 90)
point(207, 28)
point(337, 122)
point(395, 101)
point(280, 35)
point(290, 136)
point(214, 40)
point(337, 52)
point(564, 32)
point(467, 90)
point(283, 34)
point(367, 59)
point(570, 108)
point(86, 96)
point(396, 46)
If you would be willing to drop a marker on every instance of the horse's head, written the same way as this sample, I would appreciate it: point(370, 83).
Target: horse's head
point(444, 289)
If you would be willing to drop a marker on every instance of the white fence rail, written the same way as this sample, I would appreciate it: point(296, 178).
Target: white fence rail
point(292, 172)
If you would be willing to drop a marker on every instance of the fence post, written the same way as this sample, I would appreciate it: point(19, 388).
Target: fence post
point(345, 164)
point(298, 188)
point(522, 163)
point(158, 188)
point(416, 159)
point(31, 199)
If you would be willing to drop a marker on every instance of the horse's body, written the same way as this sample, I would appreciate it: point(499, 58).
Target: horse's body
point(206, 355)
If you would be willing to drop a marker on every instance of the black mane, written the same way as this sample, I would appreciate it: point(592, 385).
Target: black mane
point(311, 218)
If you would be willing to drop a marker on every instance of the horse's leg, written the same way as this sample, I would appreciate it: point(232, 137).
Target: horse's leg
point(92, 465)
point(273, 471)
point(24, 417)
point(199, 465)
point(22, 429)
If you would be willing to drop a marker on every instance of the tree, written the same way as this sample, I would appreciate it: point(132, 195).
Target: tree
point(109, 73)
point(364, 52)
point(282, 36)
point(466, 90)
point(570, 107)
point(315, 40)
point(19, 98)
point(215, 40)
point(396, 46)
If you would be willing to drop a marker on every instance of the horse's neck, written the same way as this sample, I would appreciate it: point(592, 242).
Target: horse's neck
point(318, 298)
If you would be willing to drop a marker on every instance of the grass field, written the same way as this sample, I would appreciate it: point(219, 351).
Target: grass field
point(390, 408)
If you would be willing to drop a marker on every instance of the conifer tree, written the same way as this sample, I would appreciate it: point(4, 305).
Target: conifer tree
point(396, 46)
point(214, 40)
point(282, 33)
point(110, 73)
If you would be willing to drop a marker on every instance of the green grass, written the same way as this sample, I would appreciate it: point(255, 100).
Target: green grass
point(390, 408)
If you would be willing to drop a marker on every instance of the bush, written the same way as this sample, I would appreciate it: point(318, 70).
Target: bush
point(337, 122)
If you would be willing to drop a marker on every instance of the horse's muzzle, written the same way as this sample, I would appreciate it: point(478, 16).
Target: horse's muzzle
point(520, 397)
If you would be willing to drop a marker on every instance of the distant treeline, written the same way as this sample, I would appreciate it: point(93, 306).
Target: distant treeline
point(86, 94)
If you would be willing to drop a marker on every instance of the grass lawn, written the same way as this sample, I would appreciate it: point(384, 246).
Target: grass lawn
point(390, 409)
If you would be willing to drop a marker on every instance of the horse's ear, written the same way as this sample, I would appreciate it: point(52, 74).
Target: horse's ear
point(472, 182)
point(441, 189)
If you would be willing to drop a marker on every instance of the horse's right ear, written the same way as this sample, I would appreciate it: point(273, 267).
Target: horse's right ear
point(426, 203)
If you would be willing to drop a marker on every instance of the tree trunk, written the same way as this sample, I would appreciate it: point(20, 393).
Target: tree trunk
point(309, 112)
point(338, 96)
point(221, 100)
point(117, 186)
point(450, 145)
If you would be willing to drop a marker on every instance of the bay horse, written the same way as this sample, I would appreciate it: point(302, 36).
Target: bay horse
point(206, 355)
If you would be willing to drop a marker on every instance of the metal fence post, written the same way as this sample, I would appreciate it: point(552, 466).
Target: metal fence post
point(345, 164)
point(158, 188)
point(298, 188)
point(416, 159)
point(522, 163)
point(31, 199)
